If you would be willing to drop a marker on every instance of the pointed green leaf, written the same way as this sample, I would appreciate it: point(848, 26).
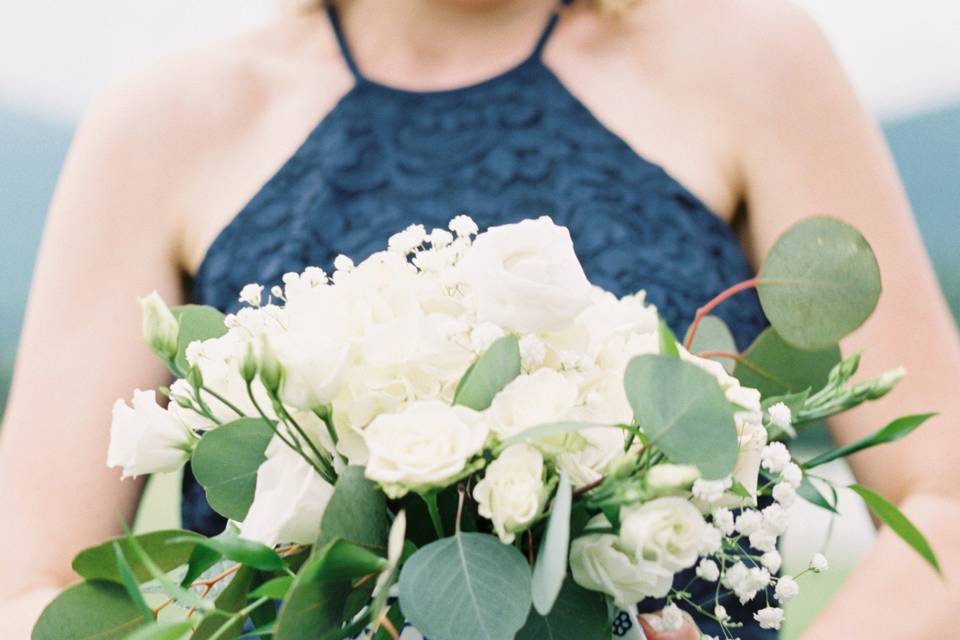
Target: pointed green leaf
point(820, 281)
point(247, 552)
point(275, 589)
point(668, 341)
point(466, 587)
point(196, 322)
point(899, 428)
point(171, 588)
point(357, 513)
point(776, 368)
point(226, 461)
point(713, 335)
point(131, 585)
point(492, 371)
point(91, 610)
point(99, 562)
point(551, 568)
point(809, 492)
point(231, 600)
point(201, 559)
point(890, 515)
point(578, 615)
point(684, 412)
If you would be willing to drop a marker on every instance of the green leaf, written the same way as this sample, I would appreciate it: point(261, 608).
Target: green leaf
point(231, 600)
point(809, 492)
point(551, 567)
point(131, 585)
point(713, 335)
point(275, 589)
point(668, 341)
point(684, 412)
point(316, 600)
point(201, 559)
point(225, 462)
point(171, 588)
point(91, 610)
point(357, 513)
point(492, 371)
point(552, 430)
point(820, 281)
point(738, 489)
point(396, 618)
point(890, 515)
point(578, 615)
point(776, 368)
point(100, 562)
point(466, 587)
point(246, 552)
point(196, 322)
point(163, 631)
point(897, 429)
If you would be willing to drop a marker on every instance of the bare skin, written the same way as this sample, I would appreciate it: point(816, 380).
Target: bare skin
point(741, 100)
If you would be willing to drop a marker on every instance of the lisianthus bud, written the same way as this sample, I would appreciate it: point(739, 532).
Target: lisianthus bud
point(195, 377)
point(248, 367)
point(160, 327)
point(271, 372)
point(884, 383)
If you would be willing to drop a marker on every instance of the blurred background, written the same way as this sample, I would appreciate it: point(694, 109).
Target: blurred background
point(904, 59)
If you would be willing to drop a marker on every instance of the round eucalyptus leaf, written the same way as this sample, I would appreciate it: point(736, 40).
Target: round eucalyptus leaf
point(684, 412)
point(491, 372)
point(91, 610)
point(196, 322)
point(168, 549)
point(466, 587)
point(713, 335)
point(577, 615)
point(820, 282)
point(357, 513)
point(225, 462)
point(775, 367)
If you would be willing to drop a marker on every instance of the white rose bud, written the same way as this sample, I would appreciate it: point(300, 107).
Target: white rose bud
point(526, 277)
point(160, 328)
point(426, 445)
point(672, 477)
point(512, 492)
point(289, 500)
point(146, 438)
point(598, 563)
point(668, 531)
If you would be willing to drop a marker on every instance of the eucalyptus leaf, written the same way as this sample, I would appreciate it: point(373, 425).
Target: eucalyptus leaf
point(713, 335)
point(246, 552)
point(776, 368)
point(577, 615)
point(899, 428)
point(99, 562)
point(175, 630)
point(819, 282)
point(131, 585)
point(201, 559)
point(554, 429)
point(197, 322)
point(492, 371)
point(226, 461)
point(357, 512)
point(551, 568)
point(890, 515)
point(668, 341)
point(90, 610)
point(469, 586)
point(231, 600)
point(275, 589)
point(684, 412)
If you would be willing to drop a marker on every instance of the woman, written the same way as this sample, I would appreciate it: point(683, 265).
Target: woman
point(643, 129)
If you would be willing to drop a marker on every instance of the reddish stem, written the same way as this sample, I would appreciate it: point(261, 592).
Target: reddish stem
point(713, 304)
point(530, 555)
point(720, 354)
point(587, 487)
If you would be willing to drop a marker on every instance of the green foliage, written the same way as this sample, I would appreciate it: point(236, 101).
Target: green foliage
point(196, 322)
point(809, 492)
point(820, 281)
point(357, 513)
point(492, 371)
point(552, 430)
point(713, 334)
point(683, 411)
point(776, 368)
point(163, 631)
point(253, 554)
point(890, 515)
point(225, 462)
point(899, 428)
point(90, 610)
point(231, 600)
point(201, 559)
point(668, 341)
point(579, 614)
point(551, 567)
point(275, 589)
point(100, 562)
point(130, 584)
point(466, 587)
point(316, 600)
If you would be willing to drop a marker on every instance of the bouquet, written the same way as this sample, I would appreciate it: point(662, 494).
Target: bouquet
point(461, 435)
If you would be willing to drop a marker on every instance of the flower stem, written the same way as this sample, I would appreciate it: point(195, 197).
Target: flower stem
point(430, 499)
point(225, 402)
point(713, 304)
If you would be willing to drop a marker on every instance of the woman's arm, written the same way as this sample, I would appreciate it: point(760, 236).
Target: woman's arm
point(810, 149)
point(109, 238)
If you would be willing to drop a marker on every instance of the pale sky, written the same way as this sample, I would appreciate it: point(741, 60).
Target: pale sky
point(54, 55)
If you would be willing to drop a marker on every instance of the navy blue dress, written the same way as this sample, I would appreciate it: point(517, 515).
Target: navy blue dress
point(518, 145)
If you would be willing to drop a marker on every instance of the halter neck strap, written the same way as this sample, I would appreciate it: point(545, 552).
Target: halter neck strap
point(351, 62)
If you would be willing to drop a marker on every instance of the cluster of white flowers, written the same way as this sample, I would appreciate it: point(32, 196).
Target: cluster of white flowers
point(366, 361)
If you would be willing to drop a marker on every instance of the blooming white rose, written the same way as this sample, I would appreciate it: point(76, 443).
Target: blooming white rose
point(667, 530)
point(512, 492)
point(597, 450)
point(313, 367)
point(526, 277)
point(428, 444)
point(598, 563)
point(146, 438)
point(289, 500)
point(533, 399)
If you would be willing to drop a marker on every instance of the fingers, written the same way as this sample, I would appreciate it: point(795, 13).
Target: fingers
point(653, 625)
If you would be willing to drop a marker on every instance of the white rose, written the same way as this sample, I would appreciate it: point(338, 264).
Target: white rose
point(665, 530)
point(525, 276)
point(602, 448)
point(289, 500)
point(426, 445)
point(146, 438)
point(667, 477)
point(313, 367)
point(598, 563)
point(512, 492)
point(611, 323)
point(541, 397)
